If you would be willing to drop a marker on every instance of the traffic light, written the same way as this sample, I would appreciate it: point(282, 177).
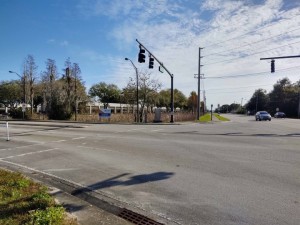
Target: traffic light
point(151, 62)
point(272, 66)
point(142, 55)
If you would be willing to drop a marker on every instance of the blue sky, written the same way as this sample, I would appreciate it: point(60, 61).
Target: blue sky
point(99, 34)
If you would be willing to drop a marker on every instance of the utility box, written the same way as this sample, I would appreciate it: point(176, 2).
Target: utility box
point(157, 116)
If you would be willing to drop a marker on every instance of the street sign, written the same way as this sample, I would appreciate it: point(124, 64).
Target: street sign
point(23, 107)
point(105, 113)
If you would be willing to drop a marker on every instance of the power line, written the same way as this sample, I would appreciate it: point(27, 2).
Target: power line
point(250, 86)
point(250, 74)
point(217, 43)
point(226, 60)
point(229, 92)
point(216, 53)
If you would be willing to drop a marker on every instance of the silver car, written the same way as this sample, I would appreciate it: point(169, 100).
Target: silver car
point(262, 115)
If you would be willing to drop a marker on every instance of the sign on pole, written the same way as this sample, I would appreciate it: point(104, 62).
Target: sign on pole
point(23, 107)
point(105, 113)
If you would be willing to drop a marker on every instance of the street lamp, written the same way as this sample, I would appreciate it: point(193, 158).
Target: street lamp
point(137, 90)
point(24, 88)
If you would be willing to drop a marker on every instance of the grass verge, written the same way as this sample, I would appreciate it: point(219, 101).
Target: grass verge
point(23, 201)
point(221, 117)
point(207, 117)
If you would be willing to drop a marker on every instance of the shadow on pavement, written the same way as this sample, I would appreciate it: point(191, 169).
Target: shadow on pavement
point(134, 180)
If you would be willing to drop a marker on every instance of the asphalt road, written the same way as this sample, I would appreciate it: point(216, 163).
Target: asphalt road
point(238, 172)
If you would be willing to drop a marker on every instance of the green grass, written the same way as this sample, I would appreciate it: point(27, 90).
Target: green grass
point(23, 201)
point(207, 117)
point(221, 117)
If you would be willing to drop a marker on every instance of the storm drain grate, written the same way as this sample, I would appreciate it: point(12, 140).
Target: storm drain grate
point(137, 218)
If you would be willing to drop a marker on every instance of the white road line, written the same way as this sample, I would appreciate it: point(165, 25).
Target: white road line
point(58, 141)
point(95, 148)
point(28, 153)
point(156, 130)
point(39, 171)
point(59, 178)
point(59, 170)
point(23, 146)
point(108, 136)
point(136, 129)
point(78, 138)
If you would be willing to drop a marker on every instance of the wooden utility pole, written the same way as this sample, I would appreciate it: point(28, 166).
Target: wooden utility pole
point(199, 74)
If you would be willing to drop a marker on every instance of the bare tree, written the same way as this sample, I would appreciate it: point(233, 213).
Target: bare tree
point(148, 89)
point(48, 78)
point(29, 72)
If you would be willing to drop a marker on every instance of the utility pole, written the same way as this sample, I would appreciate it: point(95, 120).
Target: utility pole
point(299, 100)
point(76, 104)
point(199, 74)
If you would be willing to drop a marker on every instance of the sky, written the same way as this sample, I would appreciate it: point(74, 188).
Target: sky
point(99, 34)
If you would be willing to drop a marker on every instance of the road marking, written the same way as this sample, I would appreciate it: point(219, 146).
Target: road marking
point(60, 170)
point(5, 149)
point(39, 171)
point(136, 129)
point(23, 146)
point(78, 138)
point(156, 130)
point(108, 136)
point(58, 141)
point(95, 148)
point(28, 153)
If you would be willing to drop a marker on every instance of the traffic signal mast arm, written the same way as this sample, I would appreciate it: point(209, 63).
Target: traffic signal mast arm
point(160, 63)
point(280, 57)
point(172, 80)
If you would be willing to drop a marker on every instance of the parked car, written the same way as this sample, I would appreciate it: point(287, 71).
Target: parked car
point(262, 115)
point(279, 115)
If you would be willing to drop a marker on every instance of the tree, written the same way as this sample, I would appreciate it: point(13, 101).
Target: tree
point(258, 101)
point(180, 100)
point(224, 108)
point(192, 102)
point(285, 97)
point(148, 89)
point(30, 74)
point(107, 93)
point(10, 93)
point(48, 78)
point(164, 99)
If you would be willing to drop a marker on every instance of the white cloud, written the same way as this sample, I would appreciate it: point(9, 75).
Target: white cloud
point(174, 32)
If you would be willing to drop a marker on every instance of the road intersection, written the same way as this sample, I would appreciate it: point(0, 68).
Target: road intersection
point(237, 172)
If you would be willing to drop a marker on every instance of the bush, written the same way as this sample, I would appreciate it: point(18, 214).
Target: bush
point(59, 112)
point(52, 215)
point(17, 113)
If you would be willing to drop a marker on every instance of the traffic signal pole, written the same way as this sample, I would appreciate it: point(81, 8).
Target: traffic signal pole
point(172, 80)
point(273, 70)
